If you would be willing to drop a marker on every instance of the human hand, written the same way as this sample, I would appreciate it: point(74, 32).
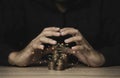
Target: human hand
point(82, 50)
point(25, 56)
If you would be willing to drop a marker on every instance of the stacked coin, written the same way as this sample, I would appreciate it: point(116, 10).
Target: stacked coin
point(51, 65)
point(59, 58)
point(60, 65)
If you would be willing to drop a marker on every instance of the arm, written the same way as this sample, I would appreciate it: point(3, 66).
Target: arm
point(83, 50)
point(106, 55)
point(25, 56)
point(13, 38)
point(109, 50)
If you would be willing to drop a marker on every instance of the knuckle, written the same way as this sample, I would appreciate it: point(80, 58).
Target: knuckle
point(81, 47)
point(79, 37)
point(33, 41)
point(77, 31)
point(34, 46)
point(41, 39)
point(43, 33)
point(74, 38)
point(46, 28)
point(49, 40)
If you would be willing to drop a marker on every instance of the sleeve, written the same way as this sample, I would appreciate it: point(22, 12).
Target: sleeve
point(111, 33)
point(11, 30)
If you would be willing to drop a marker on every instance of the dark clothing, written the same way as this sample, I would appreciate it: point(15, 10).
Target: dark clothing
point(98, 21)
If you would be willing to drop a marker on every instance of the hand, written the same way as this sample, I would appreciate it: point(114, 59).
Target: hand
point(83, 50)
point(25, 56)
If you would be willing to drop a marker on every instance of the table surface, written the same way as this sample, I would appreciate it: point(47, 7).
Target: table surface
point(74, 72)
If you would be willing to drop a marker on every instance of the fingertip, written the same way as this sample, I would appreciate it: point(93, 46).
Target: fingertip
point(73, 48)
point(61, 30)
point(66, 41)
point(54, 42)
point(62, 33)
point(42, 47)
point(58, 34)
point(57, 28)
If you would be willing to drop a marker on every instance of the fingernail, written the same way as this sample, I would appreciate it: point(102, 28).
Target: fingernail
point(62, 33)
point(73, 48)
point(54, 42)
point(58, 34)
point(42, 47)
point(66, 41)
point(58, 28)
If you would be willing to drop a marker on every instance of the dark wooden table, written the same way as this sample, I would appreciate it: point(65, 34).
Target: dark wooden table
point(75, 72)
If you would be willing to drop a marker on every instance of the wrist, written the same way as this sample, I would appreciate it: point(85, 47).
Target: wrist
point(96, 59)
point(91, 58)
point(12, 57)
point(20, 58)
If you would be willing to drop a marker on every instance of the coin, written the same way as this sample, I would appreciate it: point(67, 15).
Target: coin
point(51, 65)
point(59, 65)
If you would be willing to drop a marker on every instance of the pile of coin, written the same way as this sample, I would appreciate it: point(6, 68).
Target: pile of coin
point(58, 59)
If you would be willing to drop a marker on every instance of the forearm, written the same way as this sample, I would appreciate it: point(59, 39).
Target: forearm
point(25, 57)
point(93, 58)
point(21, 58)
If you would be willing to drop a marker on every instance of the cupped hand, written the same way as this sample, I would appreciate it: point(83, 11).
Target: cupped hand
point(25, 56)
point(82, 50)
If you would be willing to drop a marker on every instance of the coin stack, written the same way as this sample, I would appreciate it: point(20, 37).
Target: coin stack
point(59, 58)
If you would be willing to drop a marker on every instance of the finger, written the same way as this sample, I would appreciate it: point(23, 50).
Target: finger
point(68, 51)
point(47, 40)
point(70, 31)
point(67, 28)
point(50, 33)
point(81, 48)
point(52, 29)
point(78, 48)
point(79, 54)
point(38, 46)
point(73, 39)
